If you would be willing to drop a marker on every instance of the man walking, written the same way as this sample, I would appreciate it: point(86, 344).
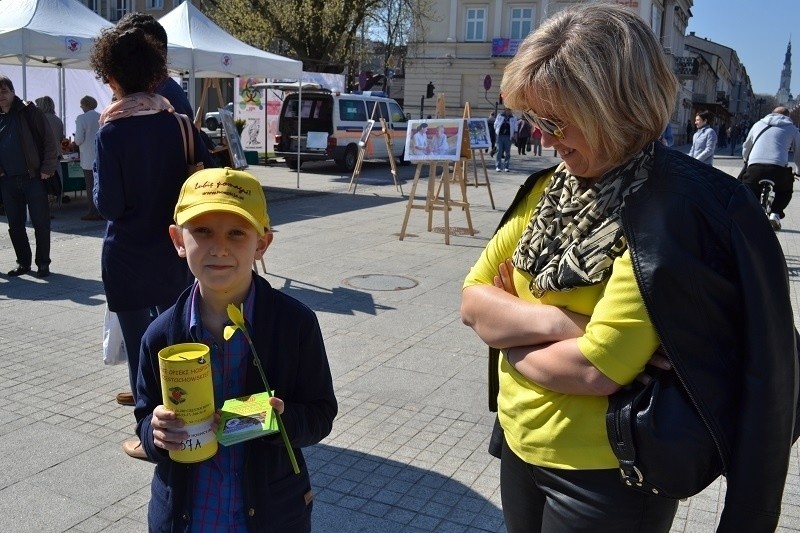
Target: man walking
point(769, 158)
point(505, 126)
point(27, 158)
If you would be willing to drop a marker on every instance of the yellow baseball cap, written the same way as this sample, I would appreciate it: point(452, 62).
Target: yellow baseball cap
point(223, 189)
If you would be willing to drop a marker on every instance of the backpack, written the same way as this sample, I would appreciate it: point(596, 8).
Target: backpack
point(505, 127)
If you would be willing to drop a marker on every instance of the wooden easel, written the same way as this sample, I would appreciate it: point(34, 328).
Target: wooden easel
point(432, 201)
point(467, 114)
point(212, 83)
point(387, 137)
point(208, 83)
point(263, 266)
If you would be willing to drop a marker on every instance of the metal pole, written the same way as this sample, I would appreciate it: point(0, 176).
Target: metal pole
point(421, 106)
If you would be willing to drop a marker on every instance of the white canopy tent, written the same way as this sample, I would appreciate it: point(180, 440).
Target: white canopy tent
point(56, 33)
point(202, 49)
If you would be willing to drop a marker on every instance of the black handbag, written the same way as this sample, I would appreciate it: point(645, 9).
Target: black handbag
point(53, 185)
point(661, 442)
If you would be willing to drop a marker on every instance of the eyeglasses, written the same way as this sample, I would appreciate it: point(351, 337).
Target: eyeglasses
point(545, 124)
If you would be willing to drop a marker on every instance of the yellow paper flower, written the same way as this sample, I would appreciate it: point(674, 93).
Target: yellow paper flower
point(236, 315)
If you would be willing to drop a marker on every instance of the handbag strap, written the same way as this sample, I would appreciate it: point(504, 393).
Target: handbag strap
point(756, 139)
point(620, 435)
point(188, 138)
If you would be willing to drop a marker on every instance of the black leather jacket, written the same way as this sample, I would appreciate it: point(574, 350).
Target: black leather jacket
point(714, 281)
point(715, 284)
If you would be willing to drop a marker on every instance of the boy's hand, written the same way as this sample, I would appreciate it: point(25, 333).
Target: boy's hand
point(168, 432)
point(277, 404)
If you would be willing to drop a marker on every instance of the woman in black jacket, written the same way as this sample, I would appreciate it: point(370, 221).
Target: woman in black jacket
point(625, 256)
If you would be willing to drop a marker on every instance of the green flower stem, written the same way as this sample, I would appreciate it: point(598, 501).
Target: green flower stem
point(281, 427)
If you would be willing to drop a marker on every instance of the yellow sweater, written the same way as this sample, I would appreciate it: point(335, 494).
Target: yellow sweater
point(557, 430)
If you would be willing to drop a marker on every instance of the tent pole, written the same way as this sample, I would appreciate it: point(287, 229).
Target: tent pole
point(299, 125)
point(62, 109)
point(24, 72)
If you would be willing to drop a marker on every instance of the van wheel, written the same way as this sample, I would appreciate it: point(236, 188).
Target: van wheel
point(348, 162)
point(292, 163)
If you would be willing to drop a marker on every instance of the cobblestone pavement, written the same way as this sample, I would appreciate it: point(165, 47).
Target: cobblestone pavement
point(408, 449)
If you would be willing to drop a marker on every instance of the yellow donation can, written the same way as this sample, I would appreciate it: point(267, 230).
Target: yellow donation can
point(188, 390)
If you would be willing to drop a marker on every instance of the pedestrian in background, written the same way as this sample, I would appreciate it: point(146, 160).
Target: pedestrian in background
point(769, 159)
point(505, 126)
point(704, 142)
point(666, 138)
point(523, 136)
point(86, 126)
point(28, 156)
point(492, 134)
point(536, 141)
point(48, 107)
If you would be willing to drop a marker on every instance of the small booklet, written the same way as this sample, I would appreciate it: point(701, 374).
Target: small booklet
point(246, 417)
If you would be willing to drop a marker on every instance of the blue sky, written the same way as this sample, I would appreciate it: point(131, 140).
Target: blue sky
point(759, 32)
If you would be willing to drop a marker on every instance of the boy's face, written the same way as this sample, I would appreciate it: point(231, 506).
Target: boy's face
point(220, 249)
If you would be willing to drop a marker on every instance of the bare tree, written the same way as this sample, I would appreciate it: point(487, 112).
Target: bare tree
point(393, 23)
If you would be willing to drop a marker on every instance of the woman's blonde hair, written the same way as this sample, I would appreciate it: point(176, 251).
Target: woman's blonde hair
point(46, 104)
point(598, 68)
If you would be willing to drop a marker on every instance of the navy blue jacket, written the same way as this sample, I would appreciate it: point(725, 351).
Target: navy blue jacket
point(139, 170)
point(289, 343)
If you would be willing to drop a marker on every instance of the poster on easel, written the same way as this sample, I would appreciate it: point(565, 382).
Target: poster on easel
point(362, 141)
point(235, 150)
point(434, 139)
point(478, 129)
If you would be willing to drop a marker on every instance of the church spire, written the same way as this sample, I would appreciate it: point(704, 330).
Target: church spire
point(784, 90)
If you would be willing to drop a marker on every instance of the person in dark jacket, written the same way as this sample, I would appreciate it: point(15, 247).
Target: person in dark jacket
point(624, 257)
point(140, 165)
point(27, 157)
point(222, 227)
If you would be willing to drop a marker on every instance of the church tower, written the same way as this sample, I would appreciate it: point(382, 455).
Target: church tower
point(784, 95)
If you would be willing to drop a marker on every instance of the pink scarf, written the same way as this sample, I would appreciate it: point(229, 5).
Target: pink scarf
point(135, 104)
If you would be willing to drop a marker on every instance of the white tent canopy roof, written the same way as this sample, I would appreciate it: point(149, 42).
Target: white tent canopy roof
point(200, 47)
point(48, 32)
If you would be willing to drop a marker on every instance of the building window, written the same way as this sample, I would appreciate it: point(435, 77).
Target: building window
point(656, 15)
point(521, 22)
point(117, 9)
point(93, 5)
point(155, 4)
point(475, 29)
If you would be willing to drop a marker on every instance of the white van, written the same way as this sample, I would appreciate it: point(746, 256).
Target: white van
point(338, 119)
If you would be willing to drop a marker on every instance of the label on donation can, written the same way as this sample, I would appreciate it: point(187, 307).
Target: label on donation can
point(188, 390)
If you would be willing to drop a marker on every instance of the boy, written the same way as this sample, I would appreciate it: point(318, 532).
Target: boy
point(221, 227)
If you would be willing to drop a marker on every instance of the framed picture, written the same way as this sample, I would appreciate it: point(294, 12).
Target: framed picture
point(478, 129)
point(434, 139)
point(362, 141)
point(235, 150)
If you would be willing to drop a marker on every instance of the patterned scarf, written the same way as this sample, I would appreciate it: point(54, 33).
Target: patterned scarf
point(575, 232)
point(135, 104)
